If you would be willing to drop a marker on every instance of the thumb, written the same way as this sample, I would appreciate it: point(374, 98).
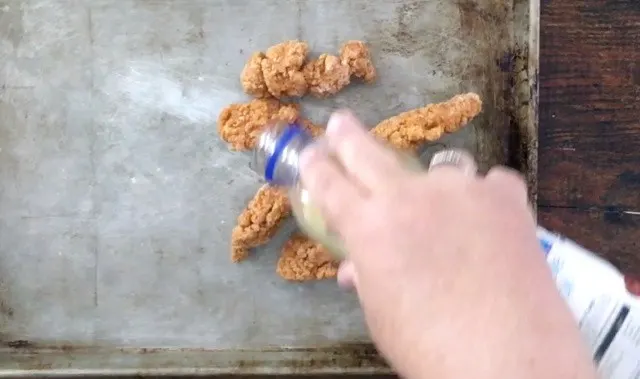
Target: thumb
point(347, 276)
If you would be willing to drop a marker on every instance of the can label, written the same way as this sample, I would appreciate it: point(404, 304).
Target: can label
point(608, 316)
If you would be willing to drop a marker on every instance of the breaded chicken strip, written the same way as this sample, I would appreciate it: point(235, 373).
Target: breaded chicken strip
point(264, 214)
point(241, 124)
point(281, 71)
point(259, 221)
point(302, 259)
point(356, 55)
point(409, 130)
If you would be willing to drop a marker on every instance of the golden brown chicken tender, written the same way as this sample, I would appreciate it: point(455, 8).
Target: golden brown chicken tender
point(240, 124)
point(259, 221)
point(281, 71)
point(303, 259)
point(410, 129)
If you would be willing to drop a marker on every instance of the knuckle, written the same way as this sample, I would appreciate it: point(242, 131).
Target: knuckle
point(507, 179)
point(317, 174)
point(336, 203)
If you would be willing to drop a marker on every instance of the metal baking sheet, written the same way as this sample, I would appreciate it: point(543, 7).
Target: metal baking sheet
point(117, 198)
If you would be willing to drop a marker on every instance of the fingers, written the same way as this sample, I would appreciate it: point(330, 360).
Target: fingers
point(500, 179)
point(508, 182)
point(362, 156)
point(330, 189)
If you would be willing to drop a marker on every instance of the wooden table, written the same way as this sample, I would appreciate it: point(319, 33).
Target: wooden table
point(589, 165)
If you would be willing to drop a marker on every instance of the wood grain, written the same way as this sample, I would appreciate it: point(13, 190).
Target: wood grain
point(589, 152)
point(613, 234)
point(590, 104)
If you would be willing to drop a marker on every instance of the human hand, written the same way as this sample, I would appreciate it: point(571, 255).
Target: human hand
point(447, 266)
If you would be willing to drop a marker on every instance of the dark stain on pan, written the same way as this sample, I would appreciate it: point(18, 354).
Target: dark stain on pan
point(20, 344)
point(300, 7)
point(507, 62)
point(468, 15)
point(474, 18)
point(405, 37)
point(522, 89)
point(482, 27)
point(6, 310)
point(341, 356)
point(404, 15)
point(508, 82)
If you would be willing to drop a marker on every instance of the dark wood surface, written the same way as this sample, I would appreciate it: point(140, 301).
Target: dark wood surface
point(589, 164)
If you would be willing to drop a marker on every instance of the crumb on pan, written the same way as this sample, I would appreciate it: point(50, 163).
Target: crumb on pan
point(259, 221)
point(241, 124)
point(303, 259)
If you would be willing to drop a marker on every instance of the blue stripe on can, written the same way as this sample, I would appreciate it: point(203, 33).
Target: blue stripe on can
point(546, 245)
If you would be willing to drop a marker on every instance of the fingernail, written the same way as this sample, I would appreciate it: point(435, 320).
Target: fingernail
point(345, 282)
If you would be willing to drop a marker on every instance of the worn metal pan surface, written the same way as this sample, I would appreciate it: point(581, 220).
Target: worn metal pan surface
point(117, 198)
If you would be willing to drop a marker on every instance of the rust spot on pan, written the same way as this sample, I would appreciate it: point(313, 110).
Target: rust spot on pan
point(348, 356)
point(474, 17)
point(342, 356)
point(20, 344)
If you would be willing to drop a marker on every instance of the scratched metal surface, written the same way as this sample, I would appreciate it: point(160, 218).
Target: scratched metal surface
point(117, 198)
